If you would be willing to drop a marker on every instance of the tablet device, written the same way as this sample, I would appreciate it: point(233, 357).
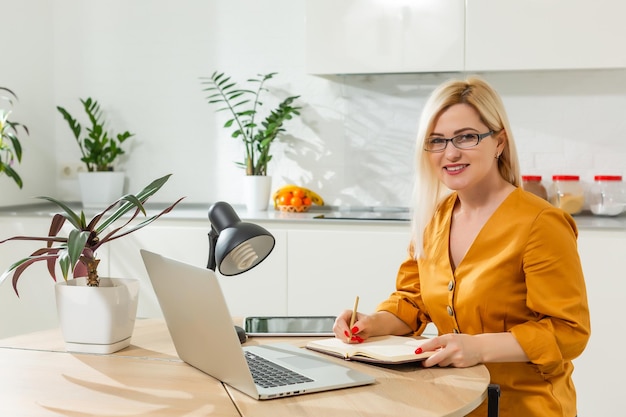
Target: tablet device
point(289, 325)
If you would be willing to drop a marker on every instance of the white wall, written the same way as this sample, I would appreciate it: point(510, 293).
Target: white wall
point(142, 60)
point(27, 51)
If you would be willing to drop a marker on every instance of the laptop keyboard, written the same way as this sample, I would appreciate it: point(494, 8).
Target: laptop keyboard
point(268, 374)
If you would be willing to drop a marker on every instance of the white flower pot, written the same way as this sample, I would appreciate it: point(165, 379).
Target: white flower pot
point(99, 189)
point(97, 319)
point(257, 190)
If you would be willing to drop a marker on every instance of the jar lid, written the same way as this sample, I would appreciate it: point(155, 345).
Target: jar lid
point(565, 178)
point(531, 177)
point(607, 178)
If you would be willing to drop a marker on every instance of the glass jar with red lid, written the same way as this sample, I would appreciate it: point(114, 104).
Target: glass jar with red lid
point(532, 184)
point(607, 195)
point(567, 193)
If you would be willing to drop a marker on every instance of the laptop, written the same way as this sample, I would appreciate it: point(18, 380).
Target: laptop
point(204, 336)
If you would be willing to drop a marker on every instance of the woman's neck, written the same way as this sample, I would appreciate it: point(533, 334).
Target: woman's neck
point(484, 198)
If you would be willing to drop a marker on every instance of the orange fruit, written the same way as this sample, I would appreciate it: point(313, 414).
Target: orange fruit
point(296, 201)
point(284, 199)
point(306, 201)
point(299, 193)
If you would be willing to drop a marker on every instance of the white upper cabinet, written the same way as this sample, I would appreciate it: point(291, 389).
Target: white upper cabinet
point(394, 36)
point(385, 36)
point(545, 34)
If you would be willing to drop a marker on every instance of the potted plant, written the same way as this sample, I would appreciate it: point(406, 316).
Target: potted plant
point(102, 318)
point(10, 146)
point(244, 106)
point(100, 151)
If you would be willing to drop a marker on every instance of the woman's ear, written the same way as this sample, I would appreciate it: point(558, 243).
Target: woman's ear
point(502, 139)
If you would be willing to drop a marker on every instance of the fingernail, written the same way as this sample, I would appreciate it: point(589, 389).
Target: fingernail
point(359, 339)
point(353, 339)
point(346, 333)
point(355, 330)
point(418, 351)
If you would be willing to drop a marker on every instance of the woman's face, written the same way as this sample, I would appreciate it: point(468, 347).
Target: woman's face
point(463, 169)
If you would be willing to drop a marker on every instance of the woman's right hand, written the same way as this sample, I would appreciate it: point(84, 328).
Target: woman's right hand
point(359, 331)
point(368, 325)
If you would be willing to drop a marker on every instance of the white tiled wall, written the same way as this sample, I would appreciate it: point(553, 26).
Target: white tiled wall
point(564, 122)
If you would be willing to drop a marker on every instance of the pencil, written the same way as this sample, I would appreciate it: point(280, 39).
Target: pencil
point(353, 318)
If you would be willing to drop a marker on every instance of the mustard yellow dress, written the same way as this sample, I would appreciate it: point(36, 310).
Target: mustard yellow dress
point(522, 274)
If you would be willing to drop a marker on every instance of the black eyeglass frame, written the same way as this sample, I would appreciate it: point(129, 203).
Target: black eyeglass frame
point(480, 136)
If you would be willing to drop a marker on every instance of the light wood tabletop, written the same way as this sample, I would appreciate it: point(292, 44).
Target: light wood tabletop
point(40, 379)
point(41, 383)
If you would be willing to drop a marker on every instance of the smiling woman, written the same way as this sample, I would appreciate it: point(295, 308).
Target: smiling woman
point(494, 267)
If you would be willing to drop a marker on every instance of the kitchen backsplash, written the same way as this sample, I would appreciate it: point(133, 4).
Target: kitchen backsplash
point(564, 122)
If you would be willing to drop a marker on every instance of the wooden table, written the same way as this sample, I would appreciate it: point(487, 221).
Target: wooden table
point(38, 378)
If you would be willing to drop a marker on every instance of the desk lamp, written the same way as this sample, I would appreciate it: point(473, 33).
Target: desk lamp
point(235, 246)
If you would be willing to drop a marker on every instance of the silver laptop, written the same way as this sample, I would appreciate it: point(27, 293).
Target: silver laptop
point(204, 336)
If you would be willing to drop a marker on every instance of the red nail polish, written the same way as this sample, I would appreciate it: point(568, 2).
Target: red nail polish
point(359, 339)
point(355, 330)
point(346, 333)
point(418, 350)
point(353, 339)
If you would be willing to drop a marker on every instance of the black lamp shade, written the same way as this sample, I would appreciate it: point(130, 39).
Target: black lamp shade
point(242, 247)
point(239, 246)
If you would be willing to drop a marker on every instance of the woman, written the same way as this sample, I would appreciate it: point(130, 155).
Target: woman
point(494, 267)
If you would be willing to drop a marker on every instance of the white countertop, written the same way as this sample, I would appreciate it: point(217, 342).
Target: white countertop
point(193, 211)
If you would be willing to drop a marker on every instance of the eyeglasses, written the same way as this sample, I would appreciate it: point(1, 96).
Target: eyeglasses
point(464, 141)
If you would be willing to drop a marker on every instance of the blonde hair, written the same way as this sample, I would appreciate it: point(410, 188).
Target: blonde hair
point(428, 191)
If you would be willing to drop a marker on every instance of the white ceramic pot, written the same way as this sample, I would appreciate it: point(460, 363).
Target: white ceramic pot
point(97, 319)
point(99, 189)
point(257, 190)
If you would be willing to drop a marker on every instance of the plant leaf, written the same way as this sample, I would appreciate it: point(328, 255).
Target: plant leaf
point(144, 223)
point(76, 242)
point(71, 215)
point(12, 174)
point(142, 196)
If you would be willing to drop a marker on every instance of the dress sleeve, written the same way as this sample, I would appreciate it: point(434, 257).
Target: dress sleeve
point(406, 302)
point(555, 292)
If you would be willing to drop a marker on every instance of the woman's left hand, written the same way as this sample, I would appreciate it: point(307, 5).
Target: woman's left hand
point(458, 350)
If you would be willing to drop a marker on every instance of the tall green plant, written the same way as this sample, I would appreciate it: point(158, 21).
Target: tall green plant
point(10, 146)
point(99, 148)
point(244, 105)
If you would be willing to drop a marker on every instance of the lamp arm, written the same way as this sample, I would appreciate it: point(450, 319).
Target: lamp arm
point(213, 235)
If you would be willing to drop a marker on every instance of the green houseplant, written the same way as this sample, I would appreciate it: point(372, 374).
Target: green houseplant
point(10, 146)
point(97, 315)
point(99, 148)
point(76, 252)
point(244, 106)
point(100, 151)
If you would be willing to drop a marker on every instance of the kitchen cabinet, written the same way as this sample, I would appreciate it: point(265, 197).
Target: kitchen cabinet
point(314, 269)
point(375, 36)
point(543, 35)
point(260, 291)
point(328, 268)
point(599, 370)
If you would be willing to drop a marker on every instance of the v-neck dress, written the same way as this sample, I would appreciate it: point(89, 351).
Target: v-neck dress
point(522, 274)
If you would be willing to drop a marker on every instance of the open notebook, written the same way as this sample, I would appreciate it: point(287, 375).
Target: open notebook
point(380, 349)
point(204, 336)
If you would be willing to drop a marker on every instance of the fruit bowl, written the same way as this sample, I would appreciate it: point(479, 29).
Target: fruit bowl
point(295, 199)
point(294, 209)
